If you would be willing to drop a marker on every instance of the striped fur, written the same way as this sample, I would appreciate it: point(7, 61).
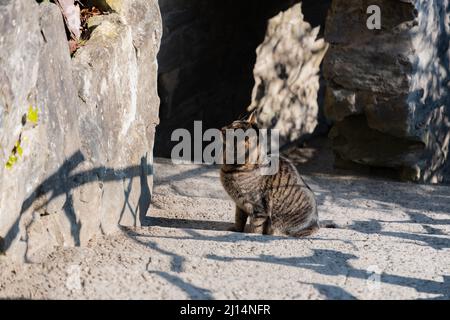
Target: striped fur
point(278, 204)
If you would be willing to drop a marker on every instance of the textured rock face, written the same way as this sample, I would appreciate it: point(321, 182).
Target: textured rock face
point(388, 92)
point(86, 165)
point(287, 75)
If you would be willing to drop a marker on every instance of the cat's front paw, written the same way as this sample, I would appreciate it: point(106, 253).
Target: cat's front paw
point(235, 229)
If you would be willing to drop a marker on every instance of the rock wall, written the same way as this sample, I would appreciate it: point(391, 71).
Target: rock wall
point(76, 134)
point(388, 89)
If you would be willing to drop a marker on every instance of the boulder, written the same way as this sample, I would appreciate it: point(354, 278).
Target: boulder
point(287, 75)
point(388, 89)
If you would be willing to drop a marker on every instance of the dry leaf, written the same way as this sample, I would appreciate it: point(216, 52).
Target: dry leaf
point(71, 13)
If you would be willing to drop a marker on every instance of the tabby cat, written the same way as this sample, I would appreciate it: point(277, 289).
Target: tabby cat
point(279, 204)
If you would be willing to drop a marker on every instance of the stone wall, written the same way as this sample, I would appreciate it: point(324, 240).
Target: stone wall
point(83, 164)
point(388, 89)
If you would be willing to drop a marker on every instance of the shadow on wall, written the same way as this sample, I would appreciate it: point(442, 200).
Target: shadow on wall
point(66, 179)
point(430, 95)
point(206, 59)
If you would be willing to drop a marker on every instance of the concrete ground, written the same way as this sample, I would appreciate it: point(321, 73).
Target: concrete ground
point(391, 241)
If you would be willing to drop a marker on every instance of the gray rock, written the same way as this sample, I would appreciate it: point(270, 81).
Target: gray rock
point(87, 162)
point(287, 75)
point(387, 89)
point(20, 48)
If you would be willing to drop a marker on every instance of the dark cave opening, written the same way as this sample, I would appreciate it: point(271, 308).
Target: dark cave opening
point(206, 60)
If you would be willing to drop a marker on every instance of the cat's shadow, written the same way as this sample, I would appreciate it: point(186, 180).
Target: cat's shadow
point(188, 224)
point(193, 224)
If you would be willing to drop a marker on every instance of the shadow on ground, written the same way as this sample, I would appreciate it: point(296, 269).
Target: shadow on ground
point(322, 261)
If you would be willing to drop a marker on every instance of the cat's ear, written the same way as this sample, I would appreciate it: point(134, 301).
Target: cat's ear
point(252, 117)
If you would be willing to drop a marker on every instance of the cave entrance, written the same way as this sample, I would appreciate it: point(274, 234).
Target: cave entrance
point(206, 59)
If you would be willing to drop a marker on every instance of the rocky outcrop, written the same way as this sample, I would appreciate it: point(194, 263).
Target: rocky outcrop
point(388, 89)
point(76, 134)
point(287, 75)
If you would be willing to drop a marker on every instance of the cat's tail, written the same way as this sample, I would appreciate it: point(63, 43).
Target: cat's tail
point(305, 232)
point(312, 229)
point(328, 225)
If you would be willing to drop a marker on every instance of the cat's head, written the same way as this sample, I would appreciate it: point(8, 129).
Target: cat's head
point(241, 143)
